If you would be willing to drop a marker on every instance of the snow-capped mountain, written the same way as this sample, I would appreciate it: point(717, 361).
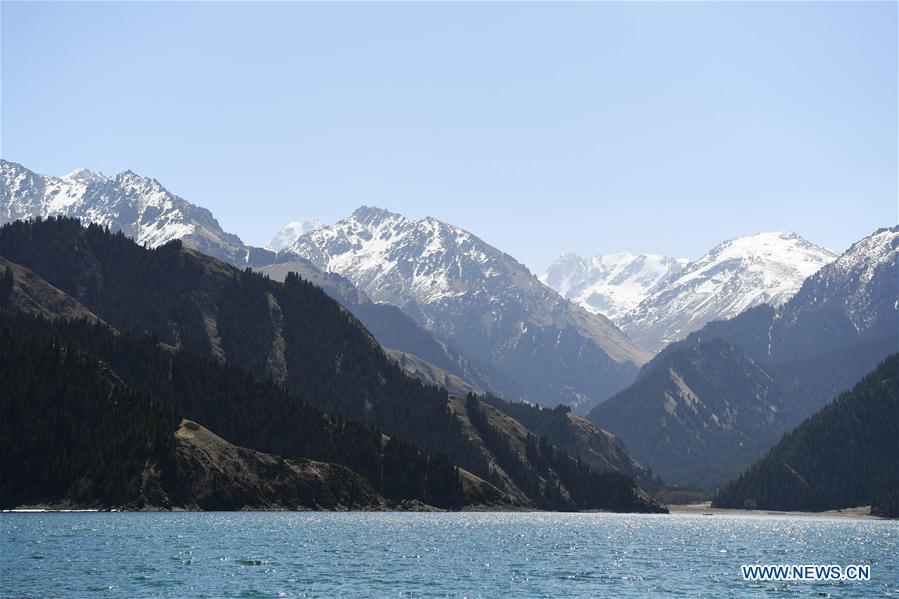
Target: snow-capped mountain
point(145, 211)
point(138, 206)
point(289, 234)
point(533, 343)
point(610, 284)
point(767, 268)
point(766, 369)
point(851, 301)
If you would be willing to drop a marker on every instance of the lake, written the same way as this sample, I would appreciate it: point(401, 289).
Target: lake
point(426, 554)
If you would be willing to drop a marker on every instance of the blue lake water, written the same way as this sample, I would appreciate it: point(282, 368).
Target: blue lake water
point(445, 554)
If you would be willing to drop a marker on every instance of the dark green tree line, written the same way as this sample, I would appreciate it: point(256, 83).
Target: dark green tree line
point(243, 410)
point(70, 429)
point(845, 455)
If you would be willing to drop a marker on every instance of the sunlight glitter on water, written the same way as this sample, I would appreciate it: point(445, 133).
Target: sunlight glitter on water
point(444, 554)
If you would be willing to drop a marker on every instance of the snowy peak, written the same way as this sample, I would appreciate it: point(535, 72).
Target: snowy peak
point(610, 284)
point(289, 234)
point(85, 175)
point(658, 299)
point(863, 284)
point(564, 273)
point(777, 263)
point(373, 214)
point(136, 205)
point(531, 341)
point(767, 268)
point(783, 248)
point(398, 260)
point(140, 207)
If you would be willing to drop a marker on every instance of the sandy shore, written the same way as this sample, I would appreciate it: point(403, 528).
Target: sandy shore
point(853, 513)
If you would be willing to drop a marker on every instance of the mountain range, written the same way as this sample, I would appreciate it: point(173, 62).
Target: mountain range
point(468, 309)
point(532, 344)
point(707, 406)
point(657, 300)
point(517, 362)
point(138, 206)
point(279, 368)
point(144, 210)
point(749, 340)
point(612, 284)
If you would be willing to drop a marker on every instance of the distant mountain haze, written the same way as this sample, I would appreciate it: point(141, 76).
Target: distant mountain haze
point(610, 284)
point(288, 235)
point(656, 300)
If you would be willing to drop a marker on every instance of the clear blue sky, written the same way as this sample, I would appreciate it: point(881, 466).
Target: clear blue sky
point(542, 128)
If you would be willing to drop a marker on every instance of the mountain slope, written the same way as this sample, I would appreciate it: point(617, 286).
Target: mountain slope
point(205, 472)
point(430, 374)
point(291, 333)
point(612, 284)
point(76, 434)
point(844, 456)
point(767, 268)
point(698, 416)
point(138, 206)
point(392, 327)
point(528, 340)
point(520, 459)
point(840, 324)
point(30, 294)
point(254, 414)
point(145, 211)
point(578, 436)
point(70, 430)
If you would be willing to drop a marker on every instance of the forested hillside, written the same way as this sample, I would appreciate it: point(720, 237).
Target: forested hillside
point(699, 415)
point(71, 429)
point(291, 333)
point(577, 436)
point(845, 455)
point(544, 472)
point(227, 399)
point(289, 345)
point(392, 327)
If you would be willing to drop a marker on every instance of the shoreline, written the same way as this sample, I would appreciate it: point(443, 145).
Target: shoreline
point(699, 509)
point(693, 509)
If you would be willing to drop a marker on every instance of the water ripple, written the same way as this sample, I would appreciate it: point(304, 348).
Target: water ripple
point(430, 555)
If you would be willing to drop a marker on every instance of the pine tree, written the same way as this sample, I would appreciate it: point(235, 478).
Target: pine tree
point(6, 287)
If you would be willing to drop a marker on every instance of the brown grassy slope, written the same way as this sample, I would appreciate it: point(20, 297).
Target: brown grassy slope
point(33, 295)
